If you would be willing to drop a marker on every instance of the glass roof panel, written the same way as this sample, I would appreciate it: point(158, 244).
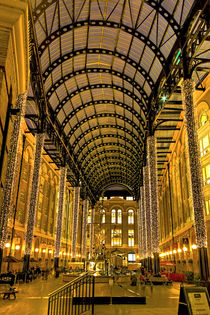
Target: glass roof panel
point(66, 42)
point(80, 38)
point(40, 30)
point(145, 19)
point(76, 46)
point(67, 107)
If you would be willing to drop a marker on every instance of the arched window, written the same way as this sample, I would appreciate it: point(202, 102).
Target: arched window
point(119, 216)
point(103, 217)
point(130, 217)
point(113, 216)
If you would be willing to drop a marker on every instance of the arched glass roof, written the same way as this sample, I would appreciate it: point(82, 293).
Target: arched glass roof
point(101, 61)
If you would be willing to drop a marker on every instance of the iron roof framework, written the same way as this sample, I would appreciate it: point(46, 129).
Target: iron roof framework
point(101, 67)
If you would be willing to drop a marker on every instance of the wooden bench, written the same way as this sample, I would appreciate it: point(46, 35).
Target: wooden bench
point(8, 292)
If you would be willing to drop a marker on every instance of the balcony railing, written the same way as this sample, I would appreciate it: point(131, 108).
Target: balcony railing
point(73, 298)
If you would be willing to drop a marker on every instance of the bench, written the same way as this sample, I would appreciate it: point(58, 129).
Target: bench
point(8, 292)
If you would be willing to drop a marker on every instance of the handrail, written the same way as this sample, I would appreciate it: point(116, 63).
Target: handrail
point(67, 285)
point(75, 297)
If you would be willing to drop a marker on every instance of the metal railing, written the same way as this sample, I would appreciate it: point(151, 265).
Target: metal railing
point(74, 297)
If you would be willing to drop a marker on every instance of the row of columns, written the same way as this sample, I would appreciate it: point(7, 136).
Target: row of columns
point(148, 204)
point(9, 188)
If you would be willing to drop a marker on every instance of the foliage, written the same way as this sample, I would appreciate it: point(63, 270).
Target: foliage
point(189, 275)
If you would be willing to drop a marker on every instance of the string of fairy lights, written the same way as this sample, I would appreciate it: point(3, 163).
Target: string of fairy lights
point(143, 224)
point(195, 164)
point(147, 210)
point(139, 225)
point(84, 226)
point(61, 200)
point(91, 232)
point(76, 199)
point(153, 193)
point(10, 177)
point(39, 140)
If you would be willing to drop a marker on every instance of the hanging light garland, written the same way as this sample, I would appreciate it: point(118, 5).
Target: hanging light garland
point(195, 164)
point(10, 177)
point(62, 188)
point(84, 226)
point(76, 200)
point(91, 232)
point(153, 192)
point(139, 226)
point(143, 217)
point(147, 209)
point(39, 139)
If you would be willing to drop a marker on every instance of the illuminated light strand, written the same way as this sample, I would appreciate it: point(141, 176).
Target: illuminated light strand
point(195, 164)
point(84, 226)
point(62, 188)
point(76, 199)
point(91, 232)
point(39, 140)
point(153, 192)
point(147, 210)
point(143, 216)
point(10, 178)
point(139, 226)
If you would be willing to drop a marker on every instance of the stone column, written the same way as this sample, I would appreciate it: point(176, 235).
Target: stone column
point(148, 216)
point(62, 188)
point(33, 199)
point(91, 233)
point(153, 184)
point(75, 216)
point(10, 177)
point(84, 227)
point(196, 177)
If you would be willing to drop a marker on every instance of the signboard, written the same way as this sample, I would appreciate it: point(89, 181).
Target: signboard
point(194, 301)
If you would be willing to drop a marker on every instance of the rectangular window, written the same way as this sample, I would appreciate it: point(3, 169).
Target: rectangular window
point(89, 216)
point(116, 237)
point(204, 145)
point(131, 257)
point(207, 207)
point(208, 174)
point(130, 237)
point(103, 218)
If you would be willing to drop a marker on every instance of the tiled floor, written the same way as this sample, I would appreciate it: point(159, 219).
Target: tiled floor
point(32, 299)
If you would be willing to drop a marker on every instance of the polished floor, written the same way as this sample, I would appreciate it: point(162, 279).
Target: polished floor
point(32, 299)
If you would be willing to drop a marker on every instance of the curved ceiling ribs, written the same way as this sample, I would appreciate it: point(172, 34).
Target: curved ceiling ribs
point(101, 63)
point(109, 102)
